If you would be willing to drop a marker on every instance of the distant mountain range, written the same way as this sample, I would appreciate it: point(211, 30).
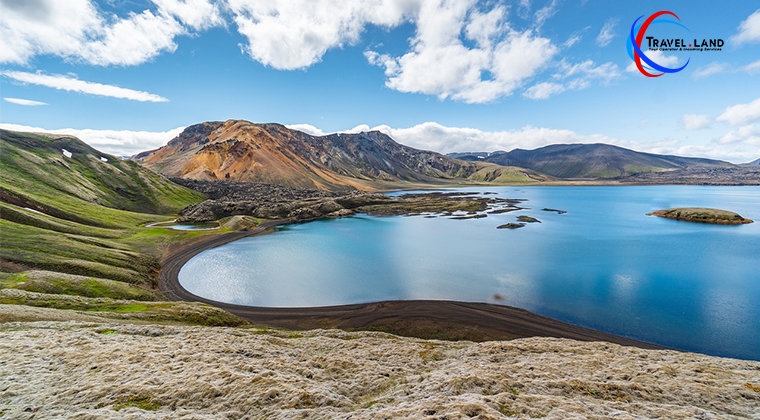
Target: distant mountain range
point(595, 161)
point(754, 162)
point(272, 153)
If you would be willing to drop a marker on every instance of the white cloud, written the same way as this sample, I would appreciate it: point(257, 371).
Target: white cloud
point(695, 121)
point(741, 113)
point(607, 33)
point(498, 61)
point(114, 142)
point(751, 68)
point(295, 34)
point(749, 29)
point(24, 102)
point(710, 69)
point(306, 128)
point(740, 145)
point(197, 14)
point(543, 14)
point(577, 76)
point(75, 85)
point(464, 50)
point(746, 134)
point(79, 31)
point(443, 139)
point(543, 90)
point(572, 41)
point(434, 136)
point(658, 57)
point(459, 51)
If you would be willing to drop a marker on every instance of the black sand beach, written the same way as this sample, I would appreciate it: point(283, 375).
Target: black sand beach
point(418, 318)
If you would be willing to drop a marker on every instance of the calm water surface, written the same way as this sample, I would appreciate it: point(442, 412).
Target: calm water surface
point(604, 264)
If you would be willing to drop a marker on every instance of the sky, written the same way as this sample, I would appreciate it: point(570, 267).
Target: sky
point(449, 76)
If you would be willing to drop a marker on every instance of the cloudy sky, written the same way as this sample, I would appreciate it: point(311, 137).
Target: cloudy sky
point(461, 75)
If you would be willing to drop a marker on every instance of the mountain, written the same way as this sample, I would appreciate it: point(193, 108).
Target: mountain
point(68, 208)
point(272, 153)
point(753, 163)
point(590, 160)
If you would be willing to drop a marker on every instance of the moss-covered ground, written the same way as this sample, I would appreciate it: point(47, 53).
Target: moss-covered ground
point(77, 225)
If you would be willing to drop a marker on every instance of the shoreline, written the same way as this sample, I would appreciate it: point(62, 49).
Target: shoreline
point(432, 319)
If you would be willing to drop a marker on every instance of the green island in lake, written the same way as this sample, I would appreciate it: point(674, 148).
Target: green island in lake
point(702, 215)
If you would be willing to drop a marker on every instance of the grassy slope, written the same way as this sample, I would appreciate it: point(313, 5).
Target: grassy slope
point(75, 225)
point(80, 215)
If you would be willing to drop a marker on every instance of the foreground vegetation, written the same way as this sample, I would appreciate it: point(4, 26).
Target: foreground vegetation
point(109, 370)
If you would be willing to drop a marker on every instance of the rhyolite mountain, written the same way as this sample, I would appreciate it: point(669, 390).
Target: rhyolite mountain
point(589, 160)
point(272, 153)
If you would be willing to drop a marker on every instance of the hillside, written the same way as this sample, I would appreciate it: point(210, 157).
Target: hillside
point(590, 161)
point(271, 153)
point(755, 162)
point(66, 207)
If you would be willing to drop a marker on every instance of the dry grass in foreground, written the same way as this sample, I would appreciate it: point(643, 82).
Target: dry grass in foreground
point(110, 370)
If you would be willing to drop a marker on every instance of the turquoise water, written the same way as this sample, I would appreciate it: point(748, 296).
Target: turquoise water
point(604, 264)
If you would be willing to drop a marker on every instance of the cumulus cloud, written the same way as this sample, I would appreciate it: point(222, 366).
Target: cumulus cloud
point(746, 134)
point(75, 85)
point(710, 69)
point(307, 128)
point(295, 34)
point(607, 33)
point(737, 146)
point(465, 54)
point(443, 139)
point(741, 113)
point(114, 142)
point(463, 50)
point(24, 102)
point(749, 29)
point(77, 30)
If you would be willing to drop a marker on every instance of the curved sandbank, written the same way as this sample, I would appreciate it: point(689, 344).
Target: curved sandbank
point(702, 215)
point(436, 319)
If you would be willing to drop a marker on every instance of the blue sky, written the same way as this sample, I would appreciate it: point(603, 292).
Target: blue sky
point(127, 75)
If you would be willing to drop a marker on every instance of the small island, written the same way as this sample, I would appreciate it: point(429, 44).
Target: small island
point(702, 215)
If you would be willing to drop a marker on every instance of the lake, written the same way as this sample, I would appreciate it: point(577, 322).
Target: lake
point(603, 265)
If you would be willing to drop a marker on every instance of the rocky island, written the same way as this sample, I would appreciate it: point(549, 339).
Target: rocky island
point(702, 215)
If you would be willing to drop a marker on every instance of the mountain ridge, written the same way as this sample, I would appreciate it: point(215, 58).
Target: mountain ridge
point(597, 160)
point(272, 153)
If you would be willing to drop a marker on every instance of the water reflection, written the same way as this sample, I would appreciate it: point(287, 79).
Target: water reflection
point(603, 264)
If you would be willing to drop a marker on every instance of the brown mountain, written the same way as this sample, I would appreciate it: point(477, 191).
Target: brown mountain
point(272, 153)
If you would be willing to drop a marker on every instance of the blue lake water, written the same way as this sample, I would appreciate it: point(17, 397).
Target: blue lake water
point(604, 264)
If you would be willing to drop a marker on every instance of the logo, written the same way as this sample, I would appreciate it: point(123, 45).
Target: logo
point(645, 64)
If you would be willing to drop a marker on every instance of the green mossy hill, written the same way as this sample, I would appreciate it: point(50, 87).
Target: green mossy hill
point(35, 173)
point(702, 215)
point(82, 214)
point(192, 313)
point(69, 284)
